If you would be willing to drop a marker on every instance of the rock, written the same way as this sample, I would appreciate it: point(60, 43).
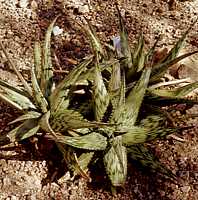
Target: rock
point(187, 67)
point(23, 3)
point(34, 5)
point(83, 9)
point(57, 30)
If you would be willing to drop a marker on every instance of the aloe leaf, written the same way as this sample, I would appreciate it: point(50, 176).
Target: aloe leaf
point(37, 60)
point(68, 153)
point(167, 101)
point(124, 43)
point(150, 54)
point(15, 89)
point(175, 50)
point(137, 135)
point(100, 95)
point(83, 160)
point(23, 81)
point(47, 69)
point(70, 119)
point(127, 114)
point(147, 160)
point(28, 115)
point(117, 88)
point(92, 141)
point(105, 65)
point(159, 70)
point(118, 101)
point(154, 126)
point(149, 129)
point(115, 161)
point(141, 61)
point(134, 135)
point(27, 129)
point(139, 55)
point(152, 121)
point(135, 97)
point(11, 102)
point(15, 99)
point(59, 96)
point(37, 93)
point(177, 92)
point(115, 80)
point(95, 42)
point(72, 161)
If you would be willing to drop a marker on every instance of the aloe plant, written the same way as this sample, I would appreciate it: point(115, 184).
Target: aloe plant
point(42, 105)
point(108, 115)
point(118, 99)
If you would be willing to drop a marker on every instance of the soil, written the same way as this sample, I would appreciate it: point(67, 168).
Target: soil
point(25, 172)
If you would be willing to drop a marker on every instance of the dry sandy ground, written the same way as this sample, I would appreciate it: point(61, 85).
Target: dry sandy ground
point(22, 174)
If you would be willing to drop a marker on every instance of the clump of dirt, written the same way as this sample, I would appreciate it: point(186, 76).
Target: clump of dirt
point(24, 174)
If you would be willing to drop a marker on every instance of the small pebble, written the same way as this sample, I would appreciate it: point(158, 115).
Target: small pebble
point(23, 3)
point(57, 30)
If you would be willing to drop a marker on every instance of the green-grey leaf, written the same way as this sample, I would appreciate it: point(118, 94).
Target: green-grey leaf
point(175, 50)
point(154, 126)
point(47, 69)
point(125, 48)
point(94, 40)
point(117, 88)
point(37, 93)
point(134, 135)
point(68, 152)
point(138, 55)
point(28, 115)
point(150, 128)
point(159, 70)
point(21, 78)
point(59, 96)
point(69, 119)
point(118, 100)
point(100, 95)
point(15, 89)
point(105, 65)
point(37, 60)
point(177, 92)
point(115, 161)
point(167, 101)
point(115, 80)
point(15, 99)
point(29, 128)
point(141, 154)
point(128, 113)
point(92, 141)
point(72, 160)
point(83, 160)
